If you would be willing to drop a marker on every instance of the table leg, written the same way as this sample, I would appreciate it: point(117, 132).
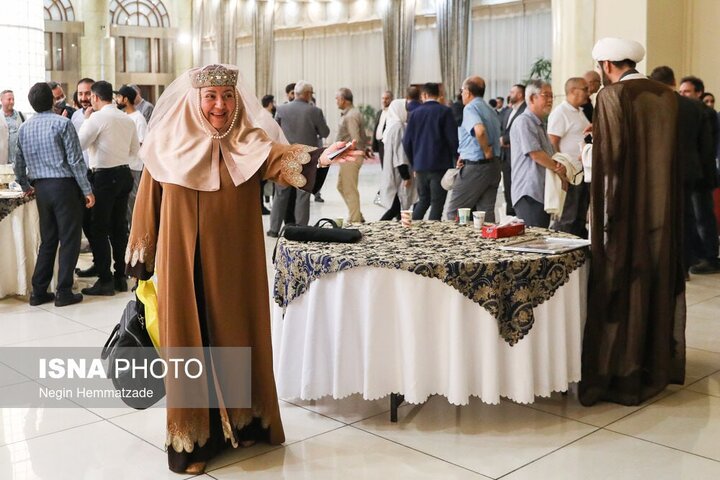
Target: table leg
point(396, 399)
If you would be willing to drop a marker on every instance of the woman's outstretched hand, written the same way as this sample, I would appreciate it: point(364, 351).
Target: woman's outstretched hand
point(350, 155)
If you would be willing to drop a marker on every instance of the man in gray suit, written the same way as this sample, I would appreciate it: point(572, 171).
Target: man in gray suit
point(517, 107)
point(302, 123)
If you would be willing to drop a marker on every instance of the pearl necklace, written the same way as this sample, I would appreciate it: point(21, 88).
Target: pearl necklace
point(217, 136)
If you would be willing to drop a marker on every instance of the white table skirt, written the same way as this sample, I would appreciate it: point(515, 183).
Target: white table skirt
point(403, 333)
point(19, 244)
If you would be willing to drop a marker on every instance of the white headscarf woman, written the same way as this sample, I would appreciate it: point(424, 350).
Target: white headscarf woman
point(391, 183)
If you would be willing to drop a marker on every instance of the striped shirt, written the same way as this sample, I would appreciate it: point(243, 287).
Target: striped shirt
point(49, 147)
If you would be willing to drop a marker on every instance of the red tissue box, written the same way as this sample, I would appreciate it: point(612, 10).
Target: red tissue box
point(497, 231)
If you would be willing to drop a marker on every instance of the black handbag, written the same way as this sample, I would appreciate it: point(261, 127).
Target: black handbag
point(130, 341)
point(319, 233)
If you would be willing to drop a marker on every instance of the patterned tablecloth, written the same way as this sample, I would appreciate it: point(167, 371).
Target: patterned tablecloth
point(7, 205)
point(506, 284)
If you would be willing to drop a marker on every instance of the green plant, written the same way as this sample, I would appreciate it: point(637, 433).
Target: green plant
point(368, 113)
point(540, 69)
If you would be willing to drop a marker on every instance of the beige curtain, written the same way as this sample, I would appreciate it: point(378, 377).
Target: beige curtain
point(264, 39)
point(227, 50)
point(398, 21)
point(453, 20)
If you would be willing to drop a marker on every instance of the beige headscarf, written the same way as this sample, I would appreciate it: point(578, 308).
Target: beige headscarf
point(181, 146)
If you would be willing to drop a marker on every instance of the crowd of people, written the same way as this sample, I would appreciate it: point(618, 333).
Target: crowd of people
point(82, 153)
point(647, 153)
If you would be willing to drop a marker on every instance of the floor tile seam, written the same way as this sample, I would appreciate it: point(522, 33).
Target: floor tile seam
point(650, 402)
point(660, 444)
point(421, 452)
point(51, 433)
point(532, 407)
point(304, 407)
point(66, 317)
point(284, 445)
point(133, 434)
point(597, 429)
point(50, 336)
point(700, 379)
point(272, 449)
point(703, 349)
point(14, 384)
point(313, 411)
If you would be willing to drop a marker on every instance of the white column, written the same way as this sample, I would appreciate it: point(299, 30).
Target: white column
point(23, 51)
point(573, 39)
point(96, 45)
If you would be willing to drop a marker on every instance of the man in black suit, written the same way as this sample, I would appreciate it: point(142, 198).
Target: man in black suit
point(701, 195)
point(517, 101)
point(694, 142)
point(593, 80)
point(60, 105)
point(377, 144)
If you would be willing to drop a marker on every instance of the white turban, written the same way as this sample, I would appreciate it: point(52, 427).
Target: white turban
point(617, 50)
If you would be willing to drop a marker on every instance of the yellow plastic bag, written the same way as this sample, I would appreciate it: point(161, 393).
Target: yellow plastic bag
point(146, 294)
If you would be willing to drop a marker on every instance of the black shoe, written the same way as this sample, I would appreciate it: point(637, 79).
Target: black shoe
point(40, 298)
point(318, 198)
point(272, 234)
point(705, 267)
point(121, 284)
point(100, 288)
point(88, 272)
point(265, 211)
point(63, 300)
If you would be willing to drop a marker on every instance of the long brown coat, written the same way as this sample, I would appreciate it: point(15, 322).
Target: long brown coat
point(634, 342)
point(210, 246)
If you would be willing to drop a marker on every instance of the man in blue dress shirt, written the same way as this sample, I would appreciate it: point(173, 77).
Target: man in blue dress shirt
point(477, 183)
point(50, 162)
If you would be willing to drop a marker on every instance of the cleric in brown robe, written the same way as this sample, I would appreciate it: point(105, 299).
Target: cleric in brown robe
point(634, 341)
point(197, 225)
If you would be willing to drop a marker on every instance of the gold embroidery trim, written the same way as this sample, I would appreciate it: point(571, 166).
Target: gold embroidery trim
point(197, 430)
point(291, 165)
point(141, 250)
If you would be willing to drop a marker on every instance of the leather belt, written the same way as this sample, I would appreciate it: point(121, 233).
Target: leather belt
point(110, 168)
point(477, 162)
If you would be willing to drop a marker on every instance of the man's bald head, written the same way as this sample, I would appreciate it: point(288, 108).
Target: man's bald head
point(593, 80)
point(476, 85)
point(577, 91)
point(472, 87)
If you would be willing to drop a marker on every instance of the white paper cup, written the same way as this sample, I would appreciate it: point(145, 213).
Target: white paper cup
point(463, 216)
point(340, 222)
point(478, 219)
point(406, 218)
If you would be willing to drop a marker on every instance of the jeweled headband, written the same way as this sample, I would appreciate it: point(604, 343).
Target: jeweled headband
point(214, 76)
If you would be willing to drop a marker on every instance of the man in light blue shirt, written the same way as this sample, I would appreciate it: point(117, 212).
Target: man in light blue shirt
point(479, 135)
point(50, 158)
point(532, 155)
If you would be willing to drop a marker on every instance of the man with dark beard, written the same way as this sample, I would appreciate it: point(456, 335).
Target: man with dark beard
point(634, 341)
point(125, 101)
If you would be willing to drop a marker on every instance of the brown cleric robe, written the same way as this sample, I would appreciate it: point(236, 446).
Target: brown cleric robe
point(634, 341)
point(207, 249)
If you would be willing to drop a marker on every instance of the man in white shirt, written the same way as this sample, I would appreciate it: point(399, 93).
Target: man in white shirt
point(125, 100)
point(565, 130)
point(112, 141)
point(77, 119)
point(4, 139)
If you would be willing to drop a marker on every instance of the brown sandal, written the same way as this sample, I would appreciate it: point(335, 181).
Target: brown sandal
point(196, 468)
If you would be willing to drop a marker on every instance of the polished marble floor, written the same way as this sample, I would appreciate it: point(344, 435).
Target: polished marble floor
point(674, 436)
